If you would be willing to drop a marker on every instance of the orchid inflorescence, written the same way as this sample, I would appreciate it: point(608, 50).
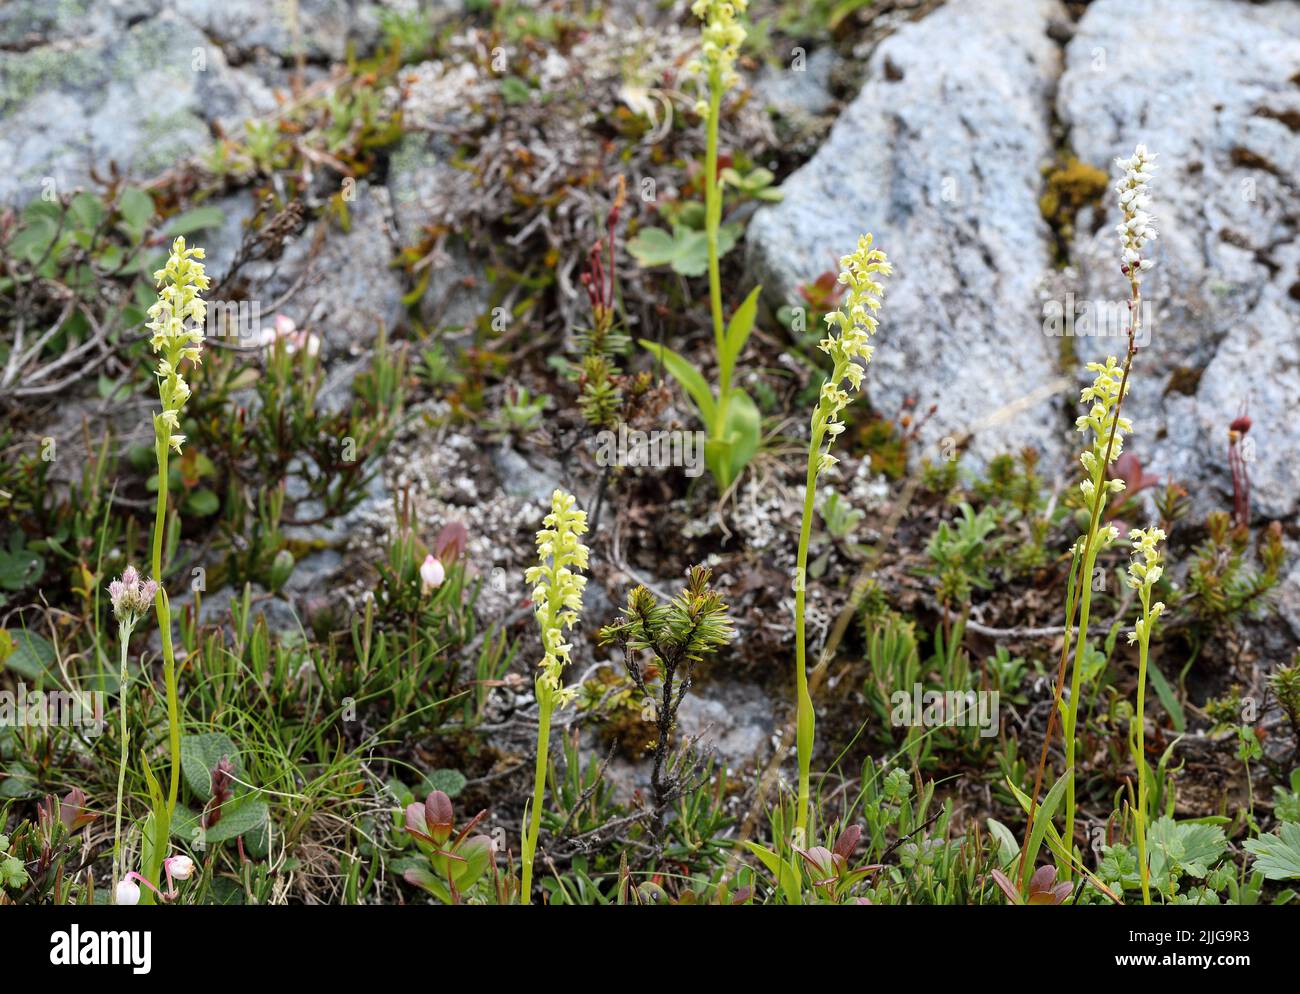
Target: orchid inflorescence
point(1143, 572)
point(557, 589)
point(849, 350)
point(1104, 399)
point(176, 320)
point(1107, 426)
point(557, 592)
point(856, 321)
point(1137, 228)
point(722, 37)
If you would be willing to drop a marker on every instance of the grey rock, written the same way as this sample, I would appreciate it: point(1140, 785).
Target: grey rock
point(221, 244)
point(1210, 86)
point(315, 28)
point(26, 24)
point(939, 158)
point(334, 533)
point(456, 294)
point(1287, 599)
point(132, 96)
point(311, 574)
point(522, 478)
point(1260, 362)
point(346, 289)
point(801, 89)
point(735, 719)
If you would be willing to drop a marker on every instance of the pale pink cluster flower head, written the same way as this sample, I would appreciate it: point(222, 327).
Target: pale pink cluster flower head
point(132, 595)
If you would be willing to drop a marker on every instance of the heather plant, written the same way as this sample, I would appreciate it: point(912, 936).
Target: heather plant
point(330, 452)
point(557, 594)
point(856, 323)
point(732, 421)
point(677, 635)
point(75, 264)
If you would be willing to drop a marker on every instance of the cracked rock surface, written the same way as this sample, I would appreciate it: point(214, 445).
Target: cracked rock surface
point(940, 160)
point(1213, 86)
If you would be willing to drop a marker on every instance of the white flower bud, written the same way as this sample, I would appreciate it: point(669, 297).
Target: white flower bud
point(180, 867)
point(432, 574)
point(128, 892)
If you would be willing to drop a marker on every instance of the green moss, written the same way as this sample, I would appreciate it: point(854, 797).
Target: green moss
point(1071, 185)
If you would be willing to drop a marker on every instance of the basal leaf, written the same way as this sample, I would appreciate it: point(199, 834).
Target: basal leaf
point(739, 328)
point(689, 377)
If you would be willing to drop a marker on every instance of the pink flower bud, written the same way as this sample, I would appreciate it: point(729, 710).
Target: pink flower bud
point(848, 841)
point(180, 867)
point(439, 816)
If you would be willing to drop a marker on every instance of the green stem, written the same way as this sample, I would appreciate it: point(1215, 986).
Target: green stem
point(123, 635)
point(712, 224)
point(1143, 643)
point(163, 607)
point(544, 706)
point(1135, 309)
point(1076, 674)
point(806, 718)
point(713, 220)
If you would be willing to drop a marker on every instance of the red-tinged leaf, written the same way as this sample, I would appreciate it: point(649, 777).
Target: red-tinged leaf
point(1006, 886)
point(450, 543)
